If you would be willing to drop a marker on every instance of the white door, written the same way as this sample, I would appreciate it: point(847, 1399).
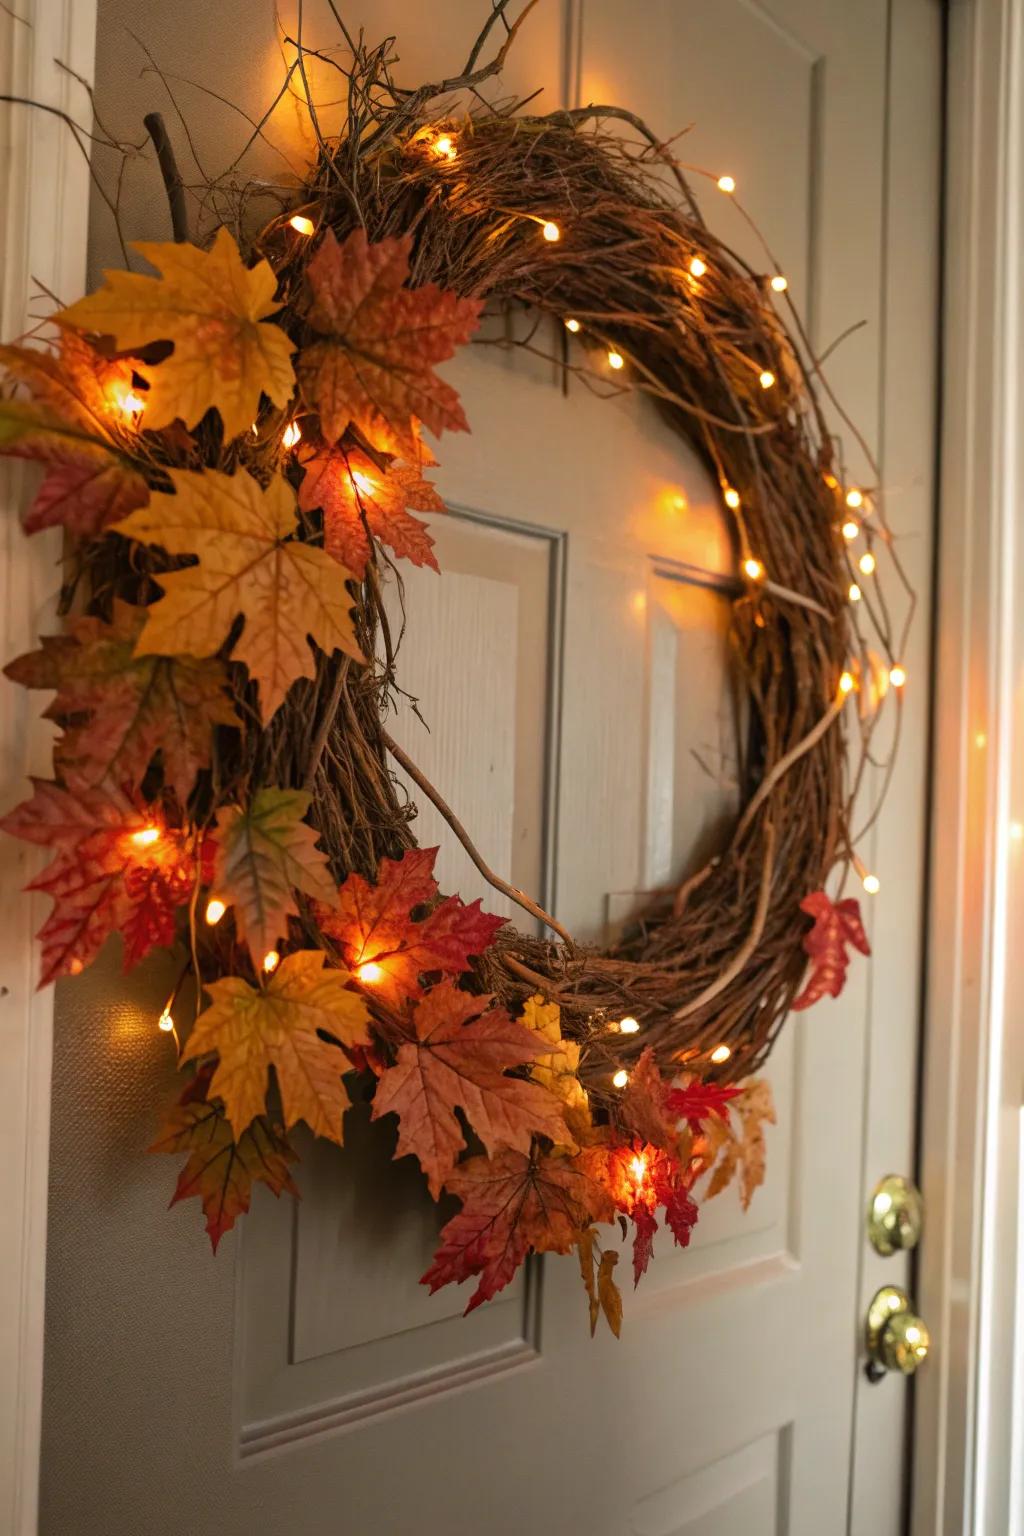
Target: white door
point(302, 1381)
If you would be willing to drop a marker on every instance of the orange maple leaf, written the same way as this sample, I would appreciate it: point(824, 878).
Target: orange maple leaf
point(212, 307)
point(359, 500)
point(375, 368)
point(457, 1060)
point(836, 924)
point(388, 949)
point(250, 563)
point(280, 1026)
point(514, 1203)
point(221, 1171)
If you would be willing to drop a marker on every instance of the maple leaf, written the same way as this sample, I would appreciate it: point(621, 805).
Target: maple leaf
point(109, 874)
point(71, 427)
point(266, 852)
point(644, 1104)
point(279, 1026)
point(558, 1068)
point(136, 705)
point(250, 564)
point(642, 1179)
point(745, 1153)
point(603, 1294)
point(457, 1060)
point(376, 367)
point(373, 926)
point(211, 306)
point(836, 924)
point(355, 496)
point(514, 1203)
point(221, 1171)
point(697, 1102)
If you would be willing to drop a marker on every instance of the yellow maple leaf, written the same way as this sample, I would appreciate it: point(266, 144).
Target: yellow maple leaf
point(211, 306)
point(558, 1069)
point(249, 563)
point(746, 1153)
point(276, 1026)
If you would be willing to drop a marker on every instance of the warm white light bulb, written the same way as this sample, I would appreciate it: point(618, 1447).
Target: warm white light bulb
point(551, 231)
point(850, 530)
point(616, 360)
point(767, 379)
point(572, 325)
point(628, 1025)
point(621, 1078)
point(698, 266)
point(753, 569)
point(444, 148)
point(720, 1053)
point(854, 593)
point(271, 961)
point(147, 837)
point(867, 563)
point(872, 884)
point(731, 497)
point(726, 184)
point(846, 683)
point(854, 498)
point(165, 1021)
point(779, 283)
point(370, 972)
point(301, 225)
point(215, 909)
point(897, 676)
point(132, 403)
point(291, 434)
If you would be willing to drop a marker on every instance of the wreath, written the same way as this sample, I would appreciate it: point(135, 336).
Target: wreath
point(233, 448)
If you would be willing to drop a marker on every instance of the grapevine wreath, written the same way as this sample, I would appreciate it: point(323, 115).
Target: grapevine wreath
point(232, 445)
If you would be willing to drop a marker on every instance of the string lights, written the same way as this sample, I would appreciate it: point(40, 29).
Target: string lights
point(291, 434)
point(620, 1078)
point(370, 972)
point(271, 961)
point(616, 360)
point(854, 593)
point(779, 283)
point(147, 837)
point(572, 325)
point(698, 266)
point(551, 231)
point(854, 497)
point(628, 1025)
point(867, 563)
point(215, 909)
point(726, 184)
point(731, 497)
point(753, 569)
point(766, 378)
point(850, 530)
point(897, 676)
point(720, 1054)
point(301, 225)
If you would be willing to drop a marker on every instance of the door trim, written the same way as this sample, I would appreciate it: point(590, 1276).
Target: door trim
point(968, 1401)
point(44, 191)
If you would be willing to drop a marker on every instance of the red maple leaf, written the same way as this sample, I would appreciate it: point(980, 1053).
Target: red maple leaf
point(696, 1102)
point(836, 924)
point(221, 1171)
point(359, 499)
point(643, 1179)
point(116, 869)
point(389, 950)
point(375, 367)
point(457, 1059)
point(515, 1203)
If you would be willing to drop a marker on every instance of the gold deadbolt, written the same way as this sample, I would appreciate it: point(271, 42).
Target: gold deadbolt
point(897, 1339)
point(895, 1215)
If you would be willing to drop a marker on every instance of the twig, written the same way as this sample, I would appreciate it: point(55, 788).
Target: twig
point(748, 947)
point(784, 764)
point(512, 892)
point(157, 130)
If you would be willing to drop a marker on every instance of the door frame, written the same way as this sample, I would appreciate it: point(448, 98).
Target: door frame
point(44, 179)
point(969, 1398)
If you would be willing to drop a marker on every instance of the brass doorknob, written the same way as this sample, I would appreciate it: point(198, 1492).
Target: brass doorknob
point(895, 1215)
point(897, 1339)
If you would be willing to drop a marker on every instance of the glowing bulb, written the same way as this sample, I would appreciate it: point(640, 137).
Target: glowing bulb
point(572, 325)
point(831, 482)
point(616, 360)
point(370, 972)
point(444, 148)
point(732, 498)
point(897, 676)
point(132, 403)
point(271, 960)
point(767, 379)
point(628, 1025)
point(872, 884)
point(854, 498)
point(720, 1053)
point(301, 225)
point(291, 434)
point(638, 1167)
point(165, 1021)
point(867, 563)
point(698, 266)
point(215, 909)
point(362, 482)
point(146, 837)
point(621, 1078)
point(850, 530)
point(551, 231)
point(779, 283)
point(726, 184)
point(754, 569)
point(75, 966)
point(846, 683)
point(854, 593)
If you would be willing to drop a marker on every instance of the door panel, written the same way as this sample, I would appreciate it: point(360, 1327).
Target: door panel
point(571, 669)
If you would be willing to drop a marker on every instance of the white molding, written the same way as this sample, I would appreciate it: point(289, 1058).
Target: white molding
point(967, 1420)
point(44, 201)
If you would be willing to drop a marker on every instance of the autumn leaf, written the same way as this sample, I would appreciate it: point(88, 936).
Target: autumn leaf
point(250, 563)
point(513, 1204)
point(278, 1026)
point(696, 1102)
point(643, 1107)
point(266, 852)
point(375, 367)
point(603, 1294)
point(836, 924)
point(355, 495)
point(558, 1068)
point(221, 1171)
point(76, 427)
point(211, 306)
point(110, 874)
point(643, 1179)
point(389, 949)
point(746, 1153)
point(457, 1060)
point(136, 706)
